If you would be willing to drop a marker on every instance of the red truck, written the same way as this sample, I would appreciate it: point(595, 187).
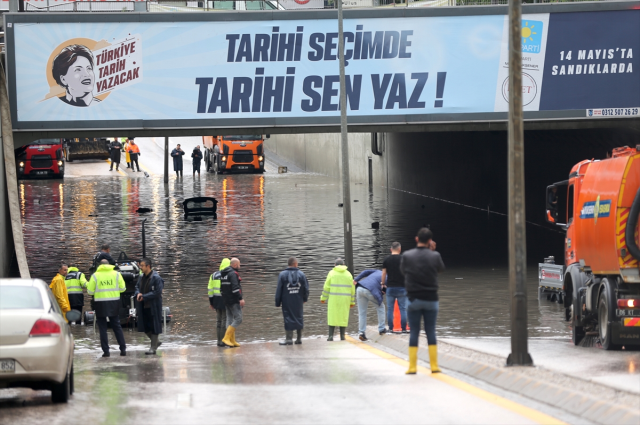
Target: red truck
point(42, 158)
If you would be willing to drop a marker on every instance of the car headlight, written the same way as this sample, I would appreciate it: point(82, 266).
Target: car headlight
point(224, 158)
point(260, 158)
point(21, 164)
point(60, 163)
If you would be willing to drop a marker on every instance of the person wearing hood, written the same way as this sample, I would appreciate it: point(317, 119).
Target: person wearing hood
point(148, 295)
point(216, 302)
point(339, 292)
point(197, 159)
point(369, 289)
point(231, 291)
point(75, 282)
point(177, 155)
point(106, 285)
point(291, 294)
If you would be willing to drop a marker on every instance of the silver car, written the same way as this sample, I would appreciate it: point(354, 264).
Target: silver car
point(36, 345)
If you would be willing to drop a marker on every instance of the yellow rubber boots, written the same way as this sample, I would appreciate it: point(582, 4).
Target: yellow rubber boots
point(413, 361)
point(229, 337)
point(233, 339)
point(433, 358)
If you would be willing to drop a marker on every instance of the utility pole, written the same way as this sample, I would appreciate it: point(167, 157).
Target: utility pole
point(517, 224)
point(166, 160)
point(344, 147)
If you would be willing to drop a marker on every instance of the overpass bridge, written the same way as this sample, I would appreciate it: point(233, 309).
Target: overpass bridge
point(419, 70)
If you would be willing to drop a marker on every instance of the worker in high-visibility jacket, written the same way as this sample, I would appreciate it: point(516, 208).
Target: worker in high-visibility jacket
point(75, 282)
point(216, 303)
point(105, 285)
point(59, 290)
point(340, 293)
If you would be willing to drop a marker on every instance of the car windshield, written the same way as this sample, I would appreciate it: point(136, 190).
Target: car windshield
point(20, 298)
point(47, 142)
point(243, 137)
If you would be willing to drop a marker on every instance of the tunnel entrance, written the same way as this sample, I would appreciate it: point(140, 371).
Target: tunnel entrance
point(456, 183)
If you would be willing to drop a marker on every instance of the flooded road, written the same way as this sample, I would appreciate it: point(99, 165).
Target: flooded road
point(263, 220)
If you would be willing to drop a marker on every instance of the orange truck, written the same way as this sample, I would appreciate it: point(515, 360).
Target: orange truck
point(244, 154)
point(599, 283)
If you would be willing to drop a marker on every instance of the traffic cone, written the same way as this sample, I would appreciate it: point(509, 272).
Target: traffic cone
point(397, 322)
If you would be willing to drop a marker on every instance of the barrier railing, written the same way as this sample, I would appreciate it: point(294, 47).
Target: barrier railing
point(252, 5)
point(84, 6)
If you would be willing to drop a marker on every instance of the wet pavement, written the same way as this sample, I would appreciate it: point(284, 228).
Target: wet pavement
point(316, 382)
point(617, 369)
point(262, 219)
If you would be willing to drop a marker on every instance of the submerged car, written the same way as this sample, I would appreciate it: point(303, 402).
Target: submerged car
point(36, 345)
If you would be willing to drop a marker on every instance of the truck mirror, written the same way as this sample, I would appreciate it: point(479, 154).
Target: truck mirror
point(267, 136)
point(550, 217)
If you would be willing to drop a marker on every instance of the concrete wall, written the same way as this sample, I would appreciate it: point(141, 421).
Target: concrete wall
point(320, 153)
point(7, 251)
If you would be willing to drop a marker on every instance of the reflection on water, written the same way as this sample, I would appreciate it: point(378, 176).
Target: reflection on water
point(262, 219)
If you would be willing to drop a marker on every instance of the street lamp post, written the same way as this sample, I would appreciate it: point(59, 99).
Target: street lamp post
point(166, 160)
point(344, 146)
point(517, 224)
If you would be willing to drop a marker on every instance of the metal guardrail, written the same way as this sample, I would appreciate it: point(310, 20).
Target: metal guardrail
point(254, 5)
point(84, 6)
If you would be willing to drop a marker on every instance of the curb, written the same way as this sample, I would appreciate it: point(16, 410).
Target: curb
point(522, 381)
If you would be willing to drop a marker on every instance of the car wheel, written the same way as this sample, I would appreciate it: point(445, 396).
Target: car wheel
point(60, 392)
point(605, 317)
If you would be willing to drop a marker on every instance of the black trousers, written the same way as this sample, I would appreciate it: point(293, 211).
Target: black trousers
point(117, 331)
point(135, 161)
point(117, 164)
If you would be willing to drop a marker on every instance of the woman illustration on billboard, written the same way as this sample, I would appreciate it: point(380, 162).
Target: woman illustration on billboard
point(73, 70)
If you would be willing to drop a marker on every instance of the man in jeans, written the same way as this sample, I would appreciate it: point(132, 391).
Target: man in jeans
point(395, 286)
point(369, 288)
point(420, 267)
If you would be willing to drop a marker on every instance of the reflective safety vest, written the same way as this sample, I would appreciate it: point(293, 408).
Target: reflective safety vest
point(214, 280)
point(75, 281)
point(106, 284)
point(214, 285)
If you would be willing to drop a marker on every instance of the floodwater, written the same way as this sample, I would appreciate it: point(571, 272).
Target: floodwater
point(262, 219)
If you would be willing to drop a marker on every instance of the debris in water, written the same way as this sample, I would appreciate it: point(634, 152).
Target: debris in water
point(375, 225)
point(143, 210)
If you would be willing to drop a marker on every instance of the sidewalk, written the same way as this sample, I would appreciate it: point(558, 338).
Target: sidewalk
point(557, 379)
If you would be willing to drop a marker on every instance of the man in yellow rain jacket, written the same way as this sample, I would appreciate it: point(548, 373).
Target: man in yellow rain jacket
point(59, 290)
point(340, 293)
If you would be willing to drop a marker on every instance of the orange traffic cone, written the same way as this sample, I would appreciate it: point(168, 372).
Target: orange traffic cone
point(397, 323)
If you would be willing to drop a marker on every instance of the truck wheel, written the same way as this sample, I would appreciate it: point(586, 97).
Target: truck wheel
point(577, 332)
point(606, 315)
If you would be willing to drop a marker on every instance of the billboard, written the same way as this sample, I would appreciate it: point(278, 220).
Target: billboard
point(81, 72)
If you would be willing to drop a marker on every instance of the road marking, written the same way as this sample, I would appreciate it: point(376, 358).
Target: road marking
point(527, 412)
point(118, 170)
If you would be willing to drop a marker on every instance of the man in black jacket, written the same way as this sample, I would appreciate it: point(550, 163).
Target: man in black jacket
point(420, 267)
point(231, 291)
point(148, 297)
point(115, 147)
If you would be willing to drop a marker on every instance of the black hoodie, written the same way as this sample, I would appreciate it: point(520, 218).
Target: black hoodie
point(230, 287)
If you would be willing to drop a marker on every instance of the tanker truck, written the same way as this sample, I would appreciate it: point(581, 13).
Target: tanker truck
point(599, 283)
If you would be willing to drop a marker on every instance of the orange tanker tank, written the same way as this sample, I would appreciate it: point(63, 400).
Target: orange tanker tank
point(600, 281)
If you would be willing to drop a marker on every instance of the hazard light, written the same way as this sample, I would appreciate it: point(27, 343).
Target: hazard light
point(627, 303)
